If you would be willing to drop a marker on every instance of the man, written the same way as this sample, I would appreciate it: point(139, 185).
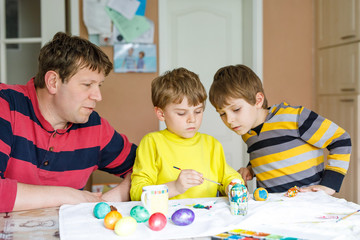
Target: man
point(51, 139)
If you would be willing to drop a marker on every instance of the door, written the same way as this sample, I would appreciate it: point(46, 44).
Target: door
point(204, 35)
point(25, 26)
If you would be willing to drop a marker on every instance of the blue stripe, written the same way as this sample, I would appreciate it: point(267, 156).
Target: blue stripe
point(127, 165)
point(270, 142)
point(303, 182)
point(58, 161)
point(94, 120)
point(20, 103)
point(5, 127)
point(308, 123)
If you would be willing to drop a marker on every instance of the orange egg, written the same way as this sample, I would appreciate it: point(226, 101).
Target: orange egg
point(111, 218)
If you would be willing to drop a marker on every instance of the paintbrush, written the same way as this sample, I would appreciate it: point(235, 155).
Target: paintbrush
point(203, 178)
point(348, 215)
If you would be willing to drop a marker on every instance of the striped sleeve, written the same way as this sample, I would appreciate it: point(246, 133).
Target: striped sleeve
point(8, 187)
point(117, 152)
point(323, 133)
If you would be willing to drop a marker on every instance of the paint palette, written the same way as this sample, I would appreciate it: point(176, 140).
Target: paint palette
point(250, 235)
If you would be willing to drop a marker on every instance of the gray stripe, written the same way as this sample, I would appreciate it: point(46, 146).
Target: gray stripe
point(279, 148)
point(271, 134)
point(293, 177)
point(283, 118)
point(314, 127)
point(340, 164)
point(327, 135)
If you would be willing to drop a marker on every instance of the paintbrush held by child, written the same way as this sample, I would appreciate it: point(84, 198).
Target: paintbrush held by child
point(179, 156)
point(285, 142)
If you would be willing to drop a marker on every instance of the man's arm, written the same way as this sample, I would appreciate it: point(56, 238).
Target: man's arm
point(35, 196)
point(120, 193)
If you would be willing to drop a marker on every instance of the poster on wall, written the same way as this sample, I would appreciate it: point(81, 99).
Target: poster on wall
point(131, 57)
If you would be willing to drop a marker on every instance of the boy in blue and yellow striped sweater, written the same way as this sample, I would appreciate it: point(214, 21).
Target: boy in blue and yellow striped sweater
point(285, 143)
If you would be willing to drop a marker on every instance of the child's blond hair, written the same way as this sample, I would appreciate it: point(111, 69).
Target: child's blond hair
point(173, 86)
point(235, 81)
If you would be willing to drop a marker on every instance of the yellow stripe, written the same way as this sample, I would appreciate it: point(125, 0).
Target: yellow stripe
point(320, 132)
point(279, 125)
point(339, 157)
point(290, 169)
point(336, 169)
point(283, 155)
point(337, 134)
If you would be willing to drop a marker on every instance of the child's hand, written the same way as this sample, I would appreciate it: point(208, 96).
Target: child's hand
point(188, 178)
point(315, 188)
point(246, 173)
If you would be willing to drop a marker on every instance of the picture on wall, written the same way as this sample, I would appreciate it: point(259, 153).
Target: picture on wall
point(131, 57)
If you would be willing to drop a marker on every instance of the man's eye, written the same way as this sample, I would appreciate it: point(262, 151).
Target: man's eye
point(222, 114)
point(235, 110)
point(181, 114)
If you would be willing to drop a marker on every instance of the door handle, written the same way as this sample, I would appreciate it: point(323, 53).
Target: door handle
point(347, 37)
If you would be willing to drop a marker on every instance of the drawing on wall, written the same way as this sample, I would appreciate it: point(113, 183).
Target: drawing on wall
point(132, 57)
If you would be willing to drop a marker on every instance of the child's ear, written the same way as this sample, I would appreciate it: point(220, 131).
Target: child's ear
point(159, 113)
point(51, 81)
point(259, 99)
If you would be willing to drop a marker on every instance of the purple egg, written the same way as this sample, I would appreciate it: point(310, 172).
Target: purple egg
point(183, 217)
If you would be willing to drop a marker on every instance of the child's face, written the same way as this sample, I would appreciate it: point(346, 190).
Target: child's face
point(240, 116)
point(181, 119)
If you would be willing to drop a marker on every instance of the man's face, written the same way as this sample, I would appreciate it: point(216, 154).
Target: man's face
point(182, 119)
point(76, 99)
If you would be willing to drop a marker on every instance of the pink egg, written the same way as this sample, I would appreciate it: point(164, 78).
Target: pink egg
point(157, 221)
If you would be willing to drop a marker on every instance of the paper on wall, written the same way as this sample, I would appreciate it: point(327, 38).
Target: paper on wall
point(95, 17)
point(130, 29)
point(127, 8)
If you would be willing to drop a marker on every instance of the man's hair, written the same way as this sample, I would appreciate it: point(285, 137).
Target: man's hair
point(173, 86)
point(66, 55)
point(235, 81)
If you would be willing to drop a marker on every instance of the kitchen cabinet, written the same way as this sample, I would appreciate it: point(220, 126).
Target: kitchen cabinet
point(337, 22)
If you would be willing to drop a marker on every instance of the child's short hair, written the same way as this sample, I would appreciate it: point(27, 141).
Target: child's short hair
point(173, 86)
point(235, 81)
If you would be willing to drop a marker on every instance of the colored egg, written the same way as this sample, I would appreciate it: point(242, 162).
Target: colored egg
point(111, 218)
point(157, 221)
point(125, 226)
point(140, 214)
point(101, 209)
point(183, 217)
point(260, 194)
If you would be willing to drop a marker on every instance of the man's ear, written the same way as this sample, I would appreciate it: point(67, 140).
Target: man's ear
point(259, 99)
point(159, 113)
point(51, 81)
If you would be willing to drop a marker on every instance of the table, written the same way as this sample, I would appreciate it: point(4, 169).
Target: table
point(302, 212)
point(40, 224)
point(32, 224)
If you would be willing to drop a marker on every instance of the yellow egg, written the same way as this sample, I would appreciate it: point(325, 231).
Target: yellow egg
point(125, 226)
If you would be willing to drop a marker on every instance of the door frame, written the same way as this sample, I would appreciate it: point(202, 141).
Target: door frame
point(53, 19)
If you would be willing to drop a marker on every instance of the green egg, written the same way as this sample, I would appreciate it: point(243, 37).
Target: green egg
point(140, 214)
point(101, 209)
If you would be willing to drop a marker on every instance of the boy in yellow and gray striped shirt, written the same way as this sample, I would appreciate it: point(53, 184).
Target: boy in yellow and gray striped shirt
point(285, 143)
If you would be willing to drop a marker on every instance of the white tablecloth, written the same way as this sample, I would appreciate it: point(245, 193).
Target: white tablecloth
point(305, 216)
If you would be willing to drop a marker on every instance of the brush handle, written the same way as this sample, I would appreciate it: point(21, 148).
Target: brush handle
point(348, 215)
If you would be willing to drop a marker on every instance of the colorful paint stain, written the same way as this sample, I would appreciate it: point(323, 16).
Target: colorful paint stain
point(202, 206)
point(250, 235)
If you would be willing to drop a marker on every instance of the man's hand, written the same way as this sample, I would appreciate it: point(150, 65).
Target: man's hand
point(120, 193)
point(315, 188)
